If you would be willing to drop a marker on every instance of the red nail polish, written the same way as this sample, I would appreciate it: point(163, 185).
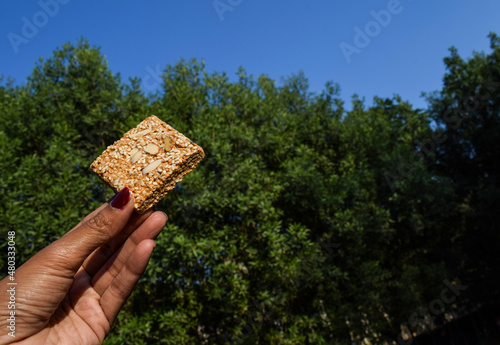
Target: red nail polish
point(121, 199)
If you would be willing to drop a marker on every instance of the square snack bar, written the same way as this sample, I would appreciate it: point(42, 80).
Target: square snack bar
point(149, 159)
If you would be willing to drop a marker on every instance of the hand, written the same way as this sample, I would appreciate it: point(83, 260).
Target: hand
point(71, 291)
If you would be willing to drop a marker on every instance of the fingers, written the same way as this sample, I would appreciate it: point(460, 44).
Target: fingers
point(68, 253)
point(101, 255)
point(121, 286)
point(148, 230)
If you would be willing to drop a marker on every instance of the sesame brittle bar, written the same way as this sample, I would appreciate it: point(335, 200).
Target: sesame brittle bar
point(149, 159)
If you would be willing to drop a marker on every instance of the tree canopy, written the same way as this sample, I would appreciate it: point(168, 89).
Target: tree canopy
point(306, 223)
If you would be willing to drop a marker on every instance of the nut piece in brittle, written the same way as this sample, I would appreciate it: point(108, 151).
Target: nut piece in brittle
point(149, 159)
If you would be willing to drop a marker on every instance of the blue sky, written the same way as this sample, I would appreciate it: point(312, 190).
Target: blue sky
point(404, 54)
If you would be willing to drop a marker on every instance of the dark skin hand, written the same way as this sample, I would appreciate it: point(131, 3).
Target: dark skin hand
point(71, 291)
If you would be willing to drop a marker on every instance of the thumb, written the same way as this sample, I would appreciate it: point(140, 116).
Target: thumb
point(69, 252)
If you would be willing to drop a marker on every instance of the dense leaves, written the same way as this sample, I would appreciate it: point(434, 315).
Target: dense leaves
point(306, 223)
point(467, 112)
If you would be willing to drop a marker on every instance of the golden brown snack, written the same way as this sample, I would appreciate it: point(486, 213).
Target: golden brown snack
point(149, 159)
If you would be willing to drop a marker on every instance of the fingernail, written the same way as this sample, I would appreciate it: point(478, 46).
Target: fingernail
point(121, 199)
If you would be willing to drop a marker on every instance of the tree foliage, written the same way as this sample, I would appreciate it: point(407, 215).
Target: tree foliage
point(467, 113)
point(306, 223)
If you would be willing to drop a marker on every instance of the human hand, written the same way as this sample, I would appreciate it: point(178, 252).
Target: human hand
point(72, 290)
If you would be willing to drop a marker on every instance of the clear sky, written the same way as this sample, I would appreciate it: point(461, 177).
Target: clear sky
point(402, 54)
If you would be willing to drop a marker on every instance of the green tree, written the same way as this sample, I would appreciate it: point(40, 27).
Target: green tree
point(467, 114)
point(306, 223)
point(288, 232)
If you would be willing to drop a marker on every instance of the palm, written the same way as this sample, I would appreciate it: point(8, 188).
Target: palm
point(79, 318)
